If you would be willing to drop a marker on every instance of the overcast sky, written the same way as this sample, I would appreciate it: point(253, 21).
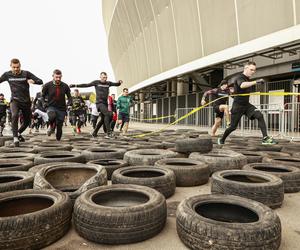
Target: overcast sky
point(49, 34)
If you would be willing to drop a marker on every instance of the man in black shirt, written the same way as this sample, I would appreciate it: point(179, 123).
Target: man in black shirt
point(102, 90)
point(39, 112)
point(220, 106)
point(241, 105)
point(77, 111)
point(3, 108)
point(19, 81)
point(55, 92)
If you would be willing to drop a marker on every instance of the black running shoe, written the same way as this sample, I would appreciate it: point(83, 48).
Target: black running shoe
point(21, 138)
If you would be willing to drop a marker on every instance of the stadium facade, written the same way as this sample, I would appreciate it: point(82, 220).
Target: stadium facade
point(169, 51)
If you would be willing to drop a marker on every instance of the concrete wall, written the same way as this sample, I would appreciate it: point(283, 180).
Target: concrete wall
point(148, 37)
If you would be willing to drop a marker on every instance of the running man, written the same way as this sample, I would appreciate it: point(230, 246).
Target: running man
point(102, 90)
point(241, 105)
point(3, 108)
point(123, 105)
point(77, 111)
point(40, 115)
point(220, 106)
point(55, 92)
point(19, 81)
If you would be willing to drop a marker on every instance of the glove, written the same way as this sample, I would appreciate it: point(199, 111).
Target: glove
point(203, 102)
point(72, 85)
point(260, 81)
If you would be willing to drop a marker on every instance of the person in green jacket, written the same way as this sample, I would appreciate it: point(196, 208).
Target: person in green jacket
point(123, 105)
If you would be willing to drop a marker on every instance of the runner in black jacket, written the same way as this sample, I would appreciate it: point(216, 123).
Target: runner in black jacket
point(102, 91)
point(55, 92)
point(19, 81)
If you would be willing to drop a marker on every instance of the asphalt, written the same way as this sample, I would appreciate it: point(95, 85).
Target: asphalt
point(168, 239)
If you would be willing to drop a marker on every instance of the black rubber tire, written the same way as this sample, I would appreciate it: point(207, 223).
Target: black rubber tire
point(265, 188)
point(252, 156)
point(3, 139)
point(110, 165)
point(148, 145)
point(288, 174)
point(160, 179)
point(227, 223)
point(238, 148)
point(220, 159)
point(40, 226)
point(61, 156)
point(16, 150)
point(290, 148)
point(274, 148)
point(18, 156)
point(15, 180)
point(271, 154)
point(188, 172)
point(39, 149)
point(202, 144)
point(125, 224)
point(290, 161)
point(73, 179)
point(15, 165)
point(96, 153)
point(147, 156)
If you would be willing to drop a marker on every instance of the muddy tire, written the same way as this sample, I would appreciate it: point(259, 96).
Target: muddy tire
point(147, 156)
point(220, 159)
point(252, 157)
point(96, 153)
point(290, 161)
point(15, 165)
point(162, 180)
point(61, 156)
point(31, 219)
point(73, 179)
point(17, 156)
point(188, 172)
point(99, 212)
point(265, 188)
point(227, 222)
point(201, 144)
point(16, 150)
point(15, 180)
point(288, 174)
point(110, 165)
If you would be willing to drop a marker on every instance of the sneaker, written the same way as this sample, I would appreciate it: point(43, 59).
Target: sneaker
point(117, 126)
point(21, 138)
point(109, 136)
point(268, 141)
point(220, 142)
point(93, 134)
point(50, 131)
point(227, 125)
point(16, 142)
point(78, 130)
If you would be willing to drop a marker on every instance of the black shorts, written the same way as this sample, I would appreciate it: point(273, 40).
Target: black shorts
point(218, 113)
point(247, 110)
point(123, 116)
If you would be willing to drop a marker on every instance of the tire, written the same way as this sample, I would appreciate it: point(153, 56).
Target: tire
point(147, 156)
point(239, 148)
point(38, 218)
point(265, 188)
point(227, 222)
point(15, 180)
point(39, 149)
point(96, 153)
point(148, 145)
point(16, 150)
point(110, 165)
point(288, 174)
point(61, 156)
point(271, 154)
point(18, 156)
point(252, 157)
point(203, 144)
point(162, 180)
point(73, 179)
point(274, 148)
point(15, 165)
point(188, 172)
point(290, 161)
point(141, 217)
point(290, 148)
point(220, 159)
point(3, 139)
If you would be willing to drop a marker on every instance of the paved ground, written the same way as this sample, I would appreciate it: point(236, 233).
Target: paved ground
point(168, 239)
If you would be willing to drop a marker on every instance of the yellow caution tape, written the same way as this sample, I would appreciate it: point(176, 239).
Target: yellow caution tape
point(207, 104)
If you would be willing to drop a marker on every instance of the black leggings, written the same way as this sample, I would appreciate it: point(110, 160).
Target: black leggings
point(15, 107)
point(250, 111)
point(105, 118)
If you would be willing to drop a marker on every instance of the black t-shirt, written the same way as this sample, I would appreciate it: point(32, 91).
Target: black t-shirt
point(18, 84)
point(78, 103)
point(39, 102)
point(55, 94)
point(236, 81)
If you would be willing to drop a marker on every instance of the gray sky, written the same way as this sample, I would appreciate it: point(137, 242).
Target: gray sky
point(49, 34)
